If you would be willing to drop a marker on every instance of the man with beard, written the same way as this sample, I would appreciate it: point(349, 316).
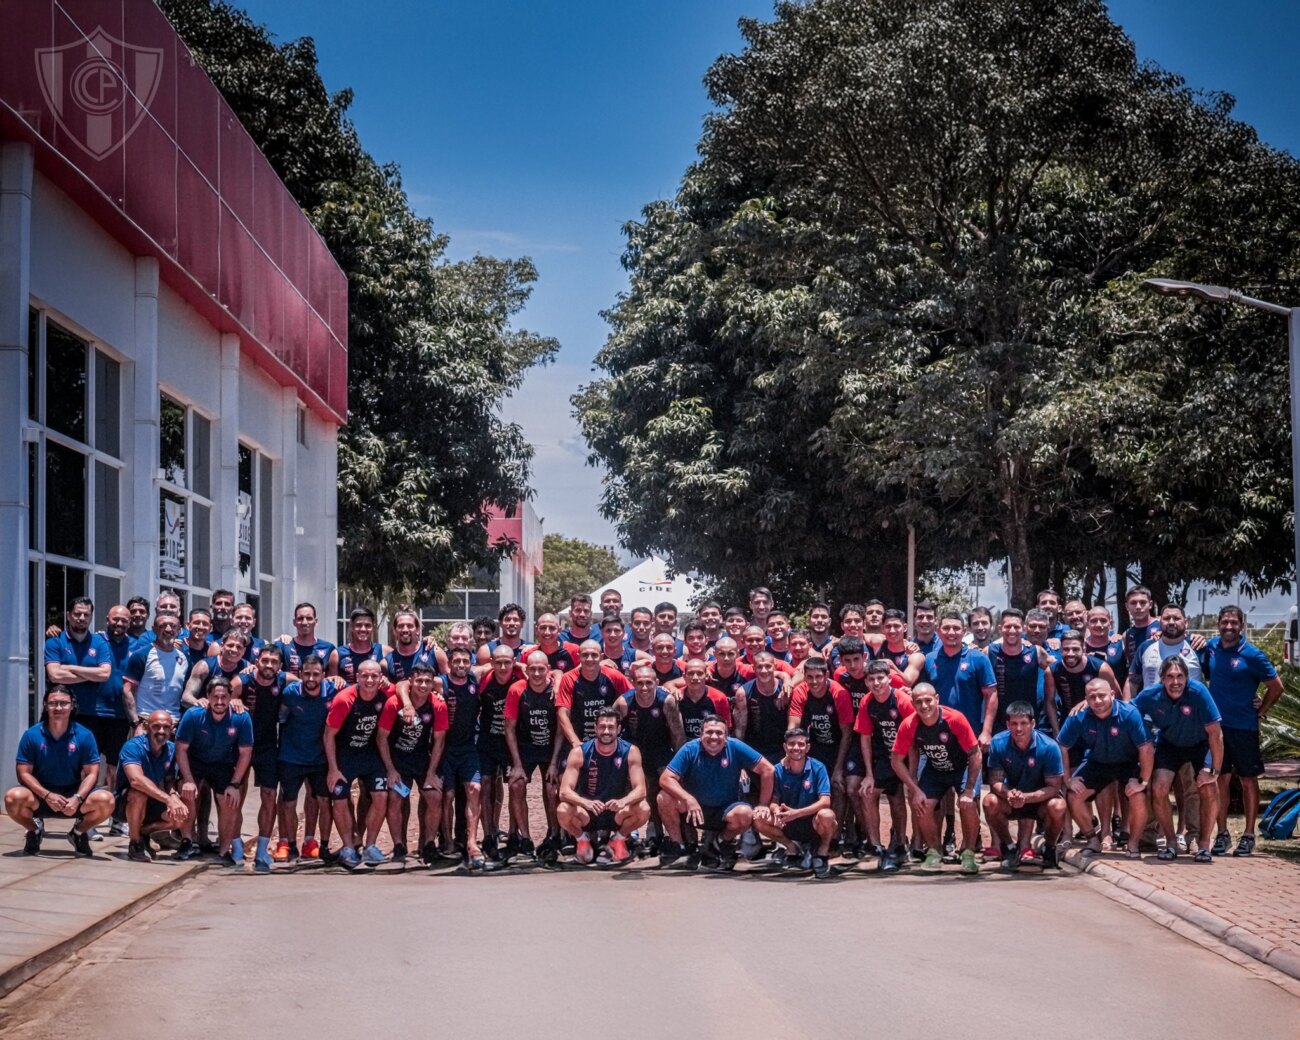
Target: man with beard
point(819, 628)
point(81, 660)
point(494, 682)
point(304, 710)
point(603, 789)
point(146, 785)
point(563, 657)
point(408, 648)
point(462, 770)
point(214, 749)
point(511, 619)
point(1070, 677)
point(261, 688)
point(653, 724)
point(895, 649)
point(579, 629)
point(696, 701)
point(1026, 776)
point(766, 702)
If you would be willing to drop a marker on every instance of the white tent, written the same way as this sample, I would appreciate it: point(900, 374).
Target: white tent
point(648, 584)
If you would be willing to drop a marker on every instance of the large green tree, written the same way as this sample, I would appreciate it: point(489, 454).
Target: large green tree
point(901, 286)
point(571, 566)
point(432, 348)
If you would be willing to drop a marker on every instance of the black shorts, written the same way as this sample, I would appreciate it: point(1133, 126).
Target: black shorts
point(824, 753)
point(292, 777)
point(1172, 757)
point(43, 810)
point(266, 770)
point(535, 763)
point(153, 809)
point(801, 830)
point(110, 735)
point(1097, 776)
point(715, 816)
point(460, 766)
point(935, 784)
point(367, 769)
point(885, 779)
point(853, 762)
point(493, 759)
point(1027, 812)
point(1241, 754)
point(602, 822)
point(217, 775)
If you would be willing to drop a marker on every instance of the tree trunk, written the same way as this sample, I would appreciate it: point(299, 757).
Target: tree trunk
point(1121, 596)
point(1153, 577)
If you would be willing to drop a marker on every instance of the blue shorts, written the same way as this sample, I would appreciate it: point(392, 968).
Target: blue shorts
point(460, 765)
point(292, 778)
point(368, 769)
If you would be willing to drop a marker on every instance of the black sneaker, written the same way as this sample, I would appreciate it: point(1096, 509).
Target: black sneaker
point(326, 856)
point(80, 842)
point(429, 853)
point(548, 852)
point(32, 844)
point(209, 848)
point(888, 864)
point(1222, 842)
point(669, 852)
point(187, 849)
point(1245, 846)
point(399, 852)
point(527, 850)
point(1050, 862)
point(728, 854)
point(490, 851)
point(139, 851)
point(821, 867)
point(777, 858)
point(228, 861)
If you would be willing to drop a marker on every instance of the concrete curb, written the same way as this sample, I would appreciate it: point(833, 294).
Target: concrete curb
point(33, 966)
point(1263, 950)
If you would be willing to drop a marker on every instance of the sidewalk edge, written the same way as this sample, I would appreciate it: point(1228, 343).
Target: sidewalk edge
point(1240, 939)
point(14, 977)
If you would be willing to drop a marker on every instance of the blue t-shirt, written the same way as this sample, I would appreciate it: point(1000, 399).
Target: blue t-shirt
point(58, 761)
point(1029, 769)
point(109, 703)
point(714, 780)
point(1182, 722)
point(215, 741)
point(90, 652)
point(1233, 676)
point(160, 768)
point(160, 679)
point(1113, 740)
point(800, 790)
point(928, 646)
point(960, 680)
point(302, 724)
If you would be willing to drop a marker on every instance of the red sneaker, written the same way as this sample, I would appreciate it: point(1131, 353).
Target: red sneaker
point(310, 849)
point(584, 853)
point(1030, 861)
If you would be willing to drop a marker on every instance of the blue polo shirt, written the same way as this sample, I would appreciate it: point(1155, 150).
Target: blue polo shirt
point(1029, 769)
point(1234, 675)
point(58, 761)
point(1182, 722)
point(800, 790)
point(714, 780)
point(160, 768)
point(215, 741)
point(960, 679)
point(1113, 740)
point(302, 724)
point(90, 652)
point(109, 703)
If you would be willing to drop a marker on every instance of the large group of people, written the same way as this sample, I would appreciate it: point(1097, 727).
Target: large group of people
point(741, 736)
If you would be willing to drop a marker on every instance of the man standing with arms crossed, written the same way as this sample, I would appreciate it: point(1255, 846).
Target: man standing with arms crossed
point(603, 789)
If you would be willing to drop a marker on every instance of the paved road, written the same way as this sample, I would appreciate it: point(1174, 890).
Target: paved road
point(643, 953)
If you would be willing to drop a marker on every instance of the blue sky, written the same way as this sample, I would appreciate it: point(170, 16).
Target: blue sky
point(538, 128)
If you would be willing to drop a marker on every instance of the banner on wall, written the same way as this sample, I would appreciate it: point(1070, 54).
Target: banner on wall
point(171, 561)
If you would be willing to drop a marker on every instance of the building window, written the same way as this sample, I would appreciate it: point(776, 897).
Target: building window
point(184, 502)
point(255, 511)
point(75, 474)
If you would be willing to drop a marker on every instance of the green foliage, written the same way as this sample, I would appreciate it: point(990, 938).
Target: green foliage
point(901, 285)
point(571, 566)
point(1279, 733)
point(431, 345)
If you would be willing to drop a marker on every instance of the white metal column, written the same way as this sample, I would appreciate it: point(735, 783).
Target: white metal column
point(16, 172)
point(284, 558)
point(226, 494)
point(142, 568)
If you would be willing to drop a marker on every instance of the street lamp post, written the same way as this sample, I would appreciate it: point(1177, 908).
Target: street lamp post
point(1220, 294)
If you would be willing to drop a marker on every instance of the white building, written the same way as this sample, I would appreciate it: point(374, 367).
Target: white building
point(173, 342)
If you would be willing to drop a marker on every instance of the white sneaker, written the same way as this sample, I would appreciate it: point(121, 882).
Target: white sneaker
point(92, 834)
point(119, 829)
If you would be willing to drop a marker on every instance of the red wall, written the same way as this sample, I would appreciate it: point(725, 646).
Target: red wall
point(136, 133)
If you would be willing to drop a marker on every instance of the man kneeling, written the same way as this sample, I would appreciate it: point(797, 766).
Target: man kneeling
point(603, 789)
point(1025, 780)
point(58, 762)
point(702, 785)
point(801, 816)
point(146, 785)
